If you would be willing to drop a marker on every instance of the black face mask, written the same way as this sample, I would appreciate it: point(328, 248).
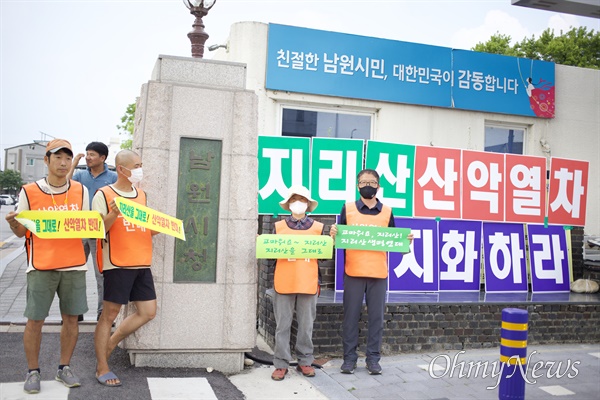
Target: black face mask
point(368, 192)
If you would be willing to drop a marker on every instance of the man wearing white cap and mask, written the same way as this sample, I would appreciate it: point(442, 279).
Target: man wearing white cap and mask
point(296, 283)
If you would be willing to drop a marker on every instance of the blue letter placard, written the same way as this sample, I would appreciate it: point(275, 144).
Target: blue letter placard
point(460, 255)
point(416, 271)
point(549, 259)
point(505, 261)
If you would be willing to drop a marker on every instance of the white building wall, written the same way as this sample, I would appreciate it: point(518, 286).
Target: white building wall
point(574, 132)
point(28, 160)
point(114, 146)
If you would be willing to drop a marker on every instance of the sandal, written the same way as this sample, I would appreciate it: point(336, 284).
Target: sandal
point(306, 370)
point(279, 374)
point(103, 379)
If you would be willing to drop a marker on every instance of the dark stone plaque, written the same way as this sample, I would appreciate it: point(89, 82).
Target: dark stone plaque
point(198, 206)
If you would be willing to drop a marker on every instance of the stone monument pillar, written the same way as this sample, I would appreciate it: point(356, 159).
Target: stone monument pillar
point(196, 131)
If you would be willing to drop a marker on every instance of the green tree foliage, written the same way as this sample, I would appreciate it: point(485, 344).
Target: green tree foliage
point(577, 47)
point(127, 125)
point(10, 181)
point(497, 44)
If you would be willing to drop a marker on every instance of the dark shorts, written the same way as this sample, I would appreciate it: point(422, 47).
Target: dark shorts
point(123, 285)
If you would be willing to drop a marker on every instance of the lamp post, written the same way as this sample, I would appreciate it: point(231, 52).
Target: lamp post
point(199, 9)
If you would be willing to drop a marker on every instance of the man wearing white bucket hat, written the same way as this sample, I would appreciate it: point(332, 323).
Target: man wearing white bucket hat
point(296, 283)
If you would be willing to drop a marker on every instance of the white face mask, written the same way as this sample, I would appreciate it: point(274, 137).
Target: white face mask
point(136, 175)
point(298, 207)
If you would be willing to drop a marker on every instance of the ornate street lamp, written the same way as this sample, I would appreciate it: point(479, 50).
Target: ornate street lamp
point(199, 9)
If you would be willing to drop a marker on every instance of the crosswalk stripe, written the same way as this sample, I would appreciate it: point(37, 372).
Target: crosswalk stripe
point(49, 390)
point(557, 390)
point(160, 389)
point(180, 388)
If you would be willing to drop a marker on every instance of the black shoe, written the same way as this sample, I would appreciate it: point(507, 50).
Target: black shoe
point(348, 367)
point(374, 368)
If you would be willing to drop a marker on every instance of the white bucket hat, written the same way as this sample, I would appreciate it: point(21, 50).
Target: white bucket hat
point(302, 191)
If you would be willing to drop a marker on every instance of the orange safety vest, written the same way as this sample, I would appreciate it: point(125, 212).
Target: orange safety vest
point(51, 254)
point(367, 263)
point(130, 245)
point(297, 276)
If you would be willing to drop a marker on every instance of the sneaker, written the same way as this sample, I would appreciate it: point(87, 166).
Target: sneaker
point(306, 370)
point(374, 368)
point(348, 367)
point(67, 377)
point(32, 382)
point(279, 374)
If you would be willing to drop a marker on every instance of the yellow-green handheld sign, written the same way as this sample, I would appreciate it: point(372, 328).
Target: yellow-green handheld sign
point(63, 224)
point(372, 238)
point(149, 218)
point(294, 246)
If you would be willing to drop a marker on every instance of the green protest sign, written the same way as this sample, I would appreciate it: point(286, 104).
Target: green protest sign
point(372, 238)
point(334, 165)
point(282, 162)
point(294, 246)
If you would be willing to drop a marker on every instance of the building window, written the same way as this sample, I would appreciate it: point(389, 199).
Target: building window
point(504, 139)
point(31, 161)
point(310, 123)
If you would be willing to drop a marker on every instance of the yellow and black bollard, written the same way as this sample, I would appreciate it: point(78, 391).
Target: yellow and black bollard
point(513, 353)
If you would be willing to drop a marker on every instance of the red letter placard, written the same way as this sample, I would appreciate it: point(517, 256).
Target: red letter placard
point(437, 183)
point(483, 185)
point(525, 189)
point(568, 191)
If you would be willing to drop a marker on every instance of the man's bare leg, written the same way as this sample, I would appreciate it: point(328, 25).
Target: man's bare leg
point(32, 341)
point(110, 311)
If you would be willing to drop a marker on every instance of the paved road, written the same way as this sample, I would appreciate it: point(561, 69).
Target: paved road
point(136, 381)
point(564, 371)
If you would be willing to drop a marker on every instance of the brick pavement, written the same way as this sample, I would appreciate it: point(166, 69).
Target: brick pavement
point(13, 289)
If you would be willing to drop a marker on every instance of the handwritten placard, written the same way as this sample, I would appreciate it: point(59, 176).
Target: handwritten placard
point(63, 224)
point(294, 246)
point(372, 238)
point(149, 218)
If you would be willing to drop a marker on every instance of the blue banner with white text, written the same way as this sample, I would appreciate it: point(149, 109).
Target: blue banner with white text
point(337, 64)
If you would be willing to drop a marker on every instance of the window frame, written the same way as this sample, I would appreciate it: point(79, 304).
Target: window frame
point(333, 109)
point(507, 126)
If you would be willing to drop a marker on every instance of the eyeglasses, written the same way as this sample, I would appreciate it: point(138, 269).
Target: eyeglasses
point(368, 183)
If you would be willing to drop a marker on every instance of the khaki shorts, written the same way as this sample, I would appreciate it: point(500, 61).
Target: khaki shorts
point(43, 285)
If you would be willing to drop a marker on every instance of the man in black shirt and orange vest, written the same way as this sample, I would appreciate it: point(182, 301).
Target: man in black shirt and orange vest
point(55, 266)
point(365, 273)
point(296, 283)
point(125, 259)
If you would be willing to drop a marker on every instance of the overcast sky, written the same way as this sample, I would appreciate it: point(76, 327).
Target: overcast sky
point(69, 68)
